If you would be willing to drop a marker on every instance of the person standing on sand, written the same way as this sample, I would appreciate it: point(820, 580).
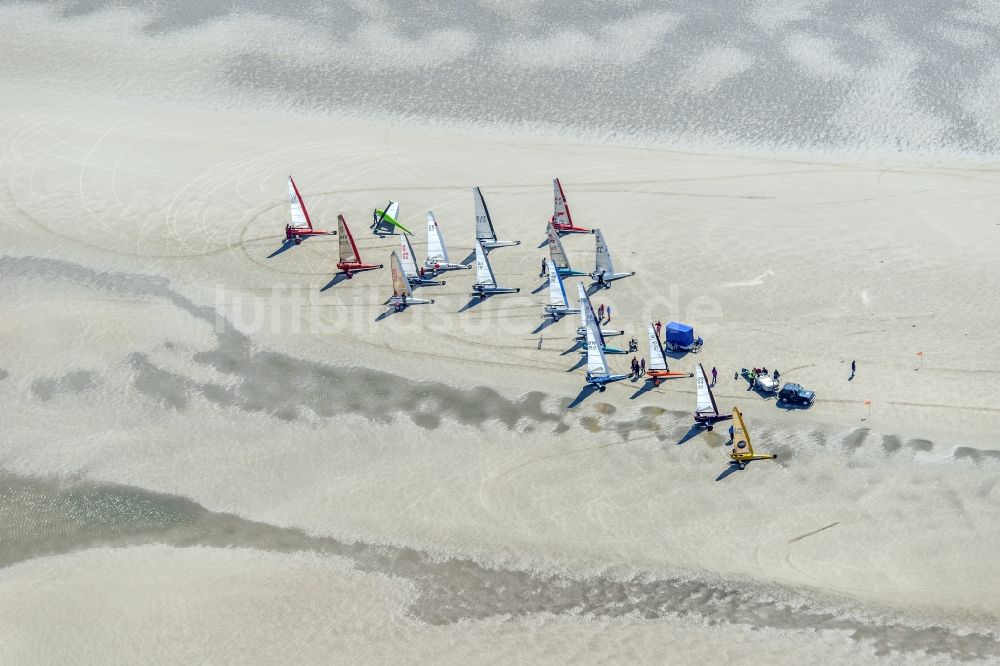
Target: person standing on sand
point(658, 327)
point(854, 368)
point(715, 376)
point(609, 314)
point(600, 312)
point(642, 367)
point(545, 268)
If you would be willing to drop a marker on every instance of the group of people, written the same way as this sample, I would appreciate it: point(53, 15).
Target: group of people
point(753, 373)
point(638, 368)
point(601, 312)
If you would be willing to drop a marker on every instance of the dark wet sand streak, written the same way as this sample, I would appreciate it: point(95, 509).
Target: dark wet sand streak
point(41, 517)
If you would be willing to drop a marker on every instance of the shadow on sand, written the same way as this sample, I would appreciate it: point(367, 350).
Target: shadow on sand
point(337, 279)
point(730, 468)
point(692, 432)
point(285, 246)
point(576, 345)
point(473, 302)
point(583, 395)
point(790, 406)
point(647, 385)
point(544, 325)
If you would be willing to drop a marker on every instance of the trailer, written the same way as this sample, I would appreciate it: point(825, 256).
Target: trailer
point(681, 337)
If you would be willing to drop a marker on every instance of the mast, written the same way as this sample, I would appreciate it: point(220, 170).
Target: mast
point(587, 314)
point(741, 438)
point(556, 251)
point(597, 363)
point(348, 249)
point(300, 216)
point(560, 213)
point(387, 221)
point(391, 214)
point(603, 259)
point(406, 257)
point(557, 291)
point(400, 285)
point(484, 223)
point(657, 359)
point(484, 272)
point(436, 250)
point(706, 400)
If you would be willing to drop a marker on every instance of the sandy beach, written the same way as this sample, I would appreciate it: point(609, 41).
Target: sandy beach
point(215, 451)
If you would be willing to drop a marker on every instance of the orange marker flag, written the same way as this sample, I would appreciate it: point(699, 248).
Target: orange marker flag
point(868, 402)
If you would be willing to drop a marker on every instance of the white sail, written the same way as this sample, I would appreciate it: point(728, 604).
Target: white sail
point(436, 250)
point(557, 292)
point(657, 361)
point(348, 250)
point(300, 216)
point(597, 364)
point(556, 251)
point(392, 212)
point(484, 223)
point(587, 312)
point(560, 213)
point(484, 272)
point(706, 401)
point(603, 263)
point(387, 221)
point(406, 257)
point(400, 285)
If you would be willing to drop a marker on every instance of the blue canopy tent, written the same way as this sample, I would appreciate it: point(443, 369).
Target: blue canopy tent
point(681, 335)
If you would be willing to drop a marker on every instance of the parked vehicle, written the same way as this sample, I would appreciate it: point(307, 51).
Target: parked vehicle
point(794, 394)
